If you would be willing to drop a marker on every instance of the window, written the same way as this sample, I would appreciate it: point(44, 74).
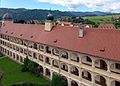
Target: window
point(30, 53)
point(40, 57)
point(35, 55)
point(48, 49)
point(117, 66)
point(41, 47)
point(35, 46)
point(56, 52)
point(64, 54)
point(88, 59)
point(25, 51)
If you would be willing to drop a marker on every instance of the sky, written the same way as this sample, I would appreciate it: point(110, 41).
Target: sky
point(65, 5)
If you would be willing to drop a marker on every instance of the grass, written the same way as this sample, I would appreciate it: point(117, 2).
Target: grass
point(100, 19)
point(13, 74)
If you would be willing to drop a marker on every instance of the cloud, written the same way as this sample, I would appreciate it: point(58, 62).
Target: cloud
point(104, 5)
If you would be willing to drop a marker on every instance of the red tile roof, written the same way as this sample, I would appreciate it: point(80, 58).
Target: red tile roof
point(98, 42)
point(107, 26)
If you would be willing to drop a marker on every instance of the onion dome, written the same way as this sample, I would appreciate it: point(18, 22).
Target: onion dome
point(7, 16)
point(50, 17)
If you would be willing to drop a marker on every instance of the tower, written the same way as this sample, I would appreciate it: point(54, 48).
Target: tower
point(49, 23)
point(7, 18)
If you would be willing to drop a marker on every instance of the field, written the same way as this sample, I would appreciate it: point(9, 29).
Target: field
point(100, 19)
point(13, 74)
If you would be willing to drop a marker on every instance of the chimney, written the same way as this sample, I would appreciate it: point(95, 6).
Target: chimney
point(81, 32)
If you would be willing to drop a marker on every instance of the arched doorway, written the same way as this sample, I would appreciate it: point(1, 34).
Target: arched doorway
point(74, 83)
point(65, 80)
point(100, 80)
point(40, 69)
point(47, 73)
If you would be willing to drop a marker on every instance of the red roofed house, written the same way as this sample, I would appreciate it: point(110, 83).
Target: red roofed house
point(106, 26)
point(84, 56)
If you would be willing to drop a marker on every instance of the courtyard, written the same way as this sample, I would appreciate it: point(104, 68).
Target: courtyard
point(12, 73)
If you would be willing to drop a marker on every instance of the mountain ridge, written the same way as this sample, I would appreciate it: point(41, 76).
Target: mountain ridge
point(40, 14)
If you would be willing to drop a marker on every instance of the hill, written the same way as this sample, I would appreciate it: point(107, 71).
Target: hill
point(39, 14)
point(105, 19)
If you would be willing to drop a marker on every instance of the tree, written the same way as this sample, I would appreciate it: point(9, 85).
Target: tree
point(58, 80)
point(25, 65)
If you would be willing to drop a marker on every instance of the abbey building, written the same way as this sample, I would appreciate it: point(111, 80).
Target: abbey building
point(83, 56)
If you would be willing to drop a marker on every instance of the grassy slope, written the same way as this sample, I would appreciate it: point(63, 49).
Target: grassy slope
point(100, 19)
point(13, 74)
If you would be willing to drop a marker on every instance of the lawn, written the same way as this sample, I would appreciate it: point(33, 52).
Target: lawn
point(100, 19)
point(13, 74)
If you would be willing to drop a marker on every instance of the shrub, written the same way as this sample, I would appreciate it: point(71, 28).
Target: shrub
point(58, 80)
point(30, 84)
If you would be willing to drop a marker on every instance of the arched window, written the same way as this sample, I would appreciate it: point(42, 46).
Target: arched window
point(47, 60)
point(48, 49)
point(74, 71)
point(74, 57)
point(87, 60)
point(55, 63)
point(40, 57)
point(64, 67)
point(35, 46)
point(64, 54)
point(56, 52)
point(115, 83)
point(101, 64)
point(86, 75)
point(115, 68)
point(34, 55)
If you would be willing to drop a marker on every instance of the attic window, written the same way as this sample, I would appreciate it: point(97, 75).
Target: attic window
point(102, 50)
point(21, 34)
point(12, 33)
point(31, 36)
point(6, 31)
